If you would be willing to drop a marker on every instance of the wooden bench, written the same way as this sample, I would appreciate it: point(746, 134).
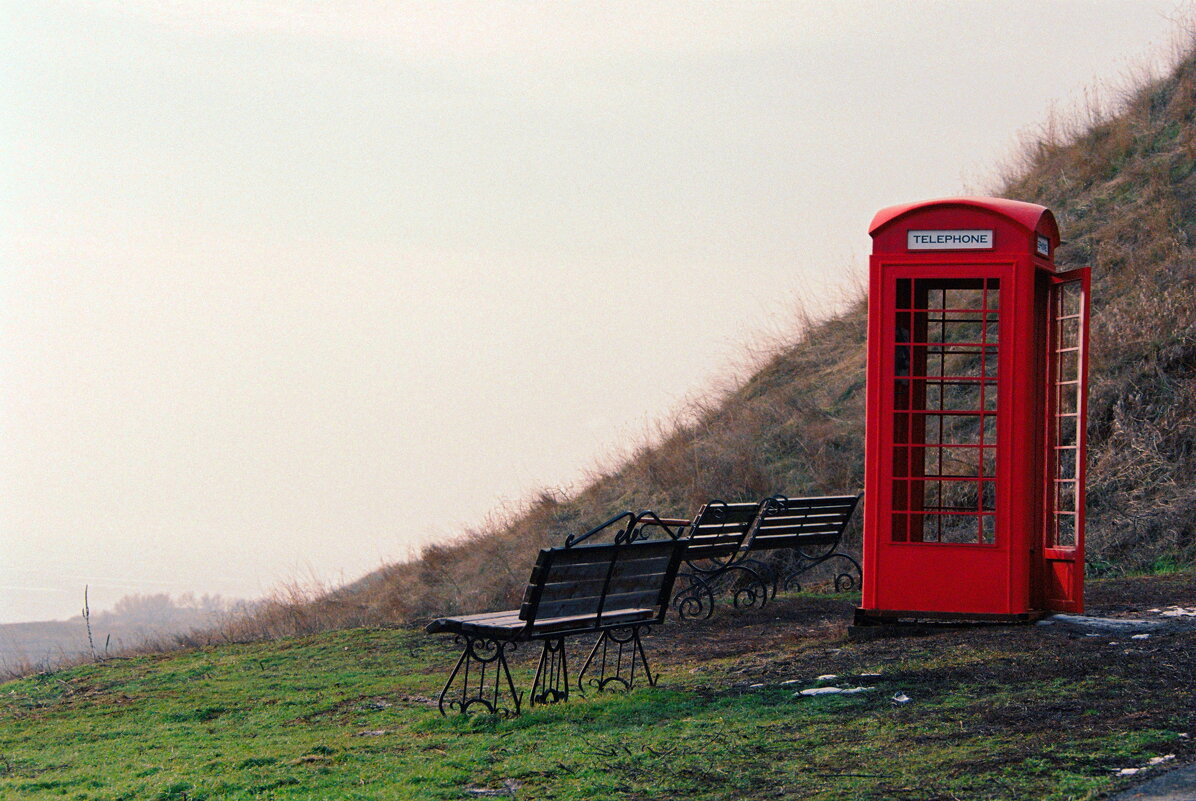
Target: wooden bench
point(615, 590)
point(724, 542)
point(809, 531)
point(714, 552)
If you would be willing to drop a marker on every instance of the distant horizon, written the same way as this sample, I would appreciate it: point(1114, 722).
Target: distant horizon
point(290, 292)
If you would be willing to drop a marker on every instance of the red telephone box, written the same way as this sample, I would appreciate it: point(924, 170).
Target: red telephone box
point(977, 365)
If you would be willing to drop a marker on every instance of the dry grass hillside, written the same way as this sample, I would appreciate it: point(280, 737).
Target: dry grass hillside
point(1123, 186)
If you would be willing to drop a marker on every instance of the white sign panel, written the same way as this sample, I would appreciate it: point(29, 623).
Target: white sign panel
point(949, 240)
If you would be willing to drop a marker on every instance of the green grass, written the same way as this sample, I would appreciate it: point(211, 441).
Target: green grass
point(347, 716)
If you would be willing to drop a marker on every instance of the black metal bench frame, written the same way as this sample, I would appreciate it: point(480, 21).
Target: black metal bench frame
point(721, 549)
point(615, 590)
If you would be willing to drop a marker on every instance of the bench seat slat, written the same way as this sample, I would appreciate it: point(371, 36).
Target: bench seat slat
point(507, 625)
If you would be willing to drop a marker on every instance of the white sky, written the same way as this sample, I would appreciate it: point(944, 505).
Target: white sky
point(288, 288)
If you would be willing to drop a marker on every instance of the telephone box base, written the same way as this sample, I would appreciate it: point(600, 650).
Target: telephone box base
point(882, 617)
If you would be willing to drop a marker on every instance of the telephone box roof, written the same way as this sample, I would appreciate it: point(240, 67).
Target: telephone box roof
point(1030, 216)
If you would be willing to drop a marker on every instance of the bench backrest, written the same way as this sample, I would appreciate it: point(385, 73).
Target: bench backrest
point(718, 529)
point(801, 522)
point(588, 586)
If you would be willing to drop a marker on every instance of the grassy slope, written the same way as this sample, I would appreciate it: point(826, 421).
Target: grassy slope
point(1124, 190)
point(997, 713)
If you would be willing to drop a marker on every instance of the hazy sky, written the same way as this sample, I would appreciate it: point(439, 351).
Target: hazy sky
point(288, 288)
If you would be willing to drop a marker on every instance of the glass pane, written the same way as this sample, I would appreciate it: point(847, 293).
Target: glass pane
point(945, 401)
point(988, 461)
point(1068, 332)
point(990, 429)
point(988, 496)
point(1069, 365)
point(1069, 298)
point(953, 528)
point(1065, 496)
point(950, 461)
point(1065, 462)
point(1065, 532)
point(954, 429)
point(988, 529)
point(1066, 428)
point(1068, 398)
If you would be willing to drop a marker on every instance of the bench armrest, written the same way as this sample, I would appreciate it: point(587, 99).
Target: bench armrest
point(573, 539)
point(650, 518)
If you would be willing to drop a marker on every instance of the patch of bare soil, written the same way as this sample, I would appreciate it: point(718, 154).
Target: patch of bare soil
point(1002, 675)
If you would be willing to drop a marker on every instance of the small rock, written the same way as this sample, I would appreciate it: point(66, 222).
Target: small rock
point(1128, 771)
point(378, 705)
point(832, 691)
point(754, 686)
point(1160, 759)
point(869, 675)
point(827, 677)
point(372, 733)
point(790, 681)
point(901, 698)
point(1140, 637)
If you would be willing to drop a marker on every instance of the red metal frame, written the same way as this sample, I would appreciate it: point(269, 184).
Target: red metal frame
point(1062, 563)
point(992, 558)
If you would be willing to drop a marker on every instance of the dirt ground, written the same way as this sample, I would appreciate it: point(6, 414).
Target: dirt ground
point(1108, 681)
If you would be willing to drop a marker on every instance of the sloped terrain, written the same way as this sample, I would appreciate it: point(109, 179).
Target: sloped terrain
point(1124, 190)
point(994, 712)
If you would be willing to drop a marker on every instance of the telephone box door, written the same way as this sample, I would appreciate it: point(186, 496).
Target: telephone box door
point(1062, 568)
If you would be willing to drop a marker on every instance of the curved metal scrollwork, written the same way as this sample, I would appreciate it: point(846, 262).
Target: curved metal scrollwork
point(552, 675)
point(775, 504)
point(616, 654)
point(574, 539)
point(482, 668)
point(848, 578)
point(745, 579)
point(751, 587)
point(694, 601)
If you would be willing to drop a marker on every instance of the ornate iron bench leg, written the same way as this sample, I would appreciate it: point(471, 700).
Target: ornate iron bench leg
point(617, 652)
point(483, 670)
point(552, 675)
point(748, 579)
point(754, 590)
point(695, 600)
point(844, 581)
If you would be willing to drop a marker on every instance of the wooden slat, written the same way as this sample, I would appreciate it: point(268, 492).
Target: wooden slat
point(624, 567)
point(586, 623)
point(816, 527)
point(835, 513)
point(775, 543)
point(593, 588)
point(709, 550)
point(612, 604)
point(823, 500)
point(507, 621)
point(582, 555)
